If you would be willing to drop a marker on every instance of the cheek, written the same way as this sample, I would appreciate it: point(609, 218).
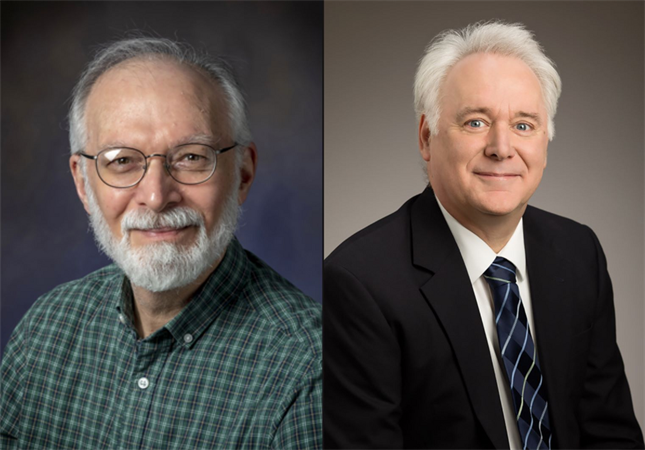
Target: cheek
point(209, 202)
point(536, 158)
point(461, 152)
point(114, 204)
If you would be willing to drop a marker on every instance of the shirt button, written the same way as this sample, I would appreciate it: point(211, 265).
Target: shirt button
point(122, 319)
point(188, 338)
point(143, 382)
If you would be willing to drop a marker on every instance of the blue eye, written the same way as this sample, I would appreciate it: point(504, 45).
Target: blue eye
point(475, 123)
point(523, 126)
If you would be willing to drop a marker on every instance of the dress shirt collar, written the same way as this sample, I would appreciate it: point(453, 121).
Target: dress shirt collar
point(478, 256)
point(220, 289)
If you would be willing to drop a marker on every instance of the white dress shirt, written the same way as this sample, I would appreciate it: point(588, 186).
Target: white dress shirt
point(478, 256)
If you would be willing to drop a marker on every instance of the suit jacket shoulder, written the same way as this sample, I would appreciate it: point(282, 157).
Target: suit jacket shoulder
point(563, 233)
point(377, 241)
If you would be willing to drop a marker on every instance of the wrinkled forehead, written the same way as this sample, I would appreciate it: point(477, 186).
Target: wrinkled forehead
point(145, 95)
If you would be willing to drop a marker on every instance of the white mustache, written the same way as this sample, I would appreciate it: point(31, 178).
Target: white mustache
point(145, 219)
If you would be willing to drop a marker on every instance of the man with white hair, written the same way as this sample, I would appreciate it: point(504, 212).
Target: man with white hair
point(468, 319)
point(188, 340)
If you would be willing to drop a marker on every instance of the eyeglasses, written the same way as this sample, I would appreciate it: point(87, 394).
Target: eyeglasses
point(187, 164)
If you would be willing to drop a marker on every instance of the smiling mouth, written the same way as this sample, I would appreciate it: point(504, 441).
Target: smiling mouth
point(160, 232)
point(494, 175)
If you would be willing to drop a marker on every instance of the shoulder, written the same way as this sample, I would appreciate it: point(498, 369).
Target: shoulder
point(385, 239)
point(544, 224)
point(573, 240)
point(75, 300)
point(56, 317)
point(284, 309)
point(551, 222)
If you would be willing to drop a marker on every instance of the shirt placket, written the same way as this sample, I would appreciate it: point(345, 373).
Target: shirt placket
point(141, 387)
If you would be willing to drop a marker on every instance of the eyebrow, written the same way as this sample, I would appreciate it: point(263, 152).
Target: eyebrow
point(529, 115)
point(113, 144)
point(461, 115)
point(198, 138)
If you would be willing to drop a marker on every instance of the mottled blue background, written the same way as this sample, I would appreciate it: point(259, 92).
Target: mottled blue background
point(276, 48)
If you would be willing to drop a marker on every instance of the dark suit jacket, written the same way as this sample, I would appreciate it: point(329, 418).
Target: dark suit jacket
point(406, 363)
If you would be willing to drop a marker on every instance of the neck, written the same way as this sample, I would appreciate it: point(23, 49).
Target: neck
point(153, 310)
point(496, 237)
point(494, 230)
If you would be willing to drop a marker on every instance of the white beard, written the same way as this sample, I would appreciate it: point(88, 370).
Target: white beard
point(163, 266)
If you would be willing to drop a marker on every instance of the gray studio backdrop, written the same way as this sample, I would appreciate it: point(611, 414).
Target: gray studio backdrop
point(276, 48)
point(595, 164)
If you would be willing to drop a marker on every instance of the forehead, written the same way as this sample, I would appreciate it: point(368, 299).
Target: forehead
point(492, 81)
point(154, 99)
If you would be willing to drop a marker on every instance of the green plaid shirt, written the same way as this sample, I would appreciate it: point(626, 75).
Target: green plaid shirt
point(238, 367)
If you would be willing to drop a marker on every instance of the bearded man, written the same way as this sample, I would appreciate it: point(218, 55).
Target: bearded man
point(188, 340)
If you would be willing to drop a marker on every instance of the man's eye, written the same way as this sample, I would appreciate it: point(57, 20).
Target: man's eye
point(192, 157)
point(122, 161)
point(523, 126)
point(475, 123)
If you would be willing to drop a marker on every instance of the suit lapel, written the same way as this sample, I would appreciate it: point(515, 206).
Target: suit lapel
point(550, 290)
point(450, 295)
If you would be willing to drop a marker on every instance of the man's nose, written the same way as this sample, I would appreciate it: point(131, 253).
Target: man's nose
point(499, 144)
point(158, 190)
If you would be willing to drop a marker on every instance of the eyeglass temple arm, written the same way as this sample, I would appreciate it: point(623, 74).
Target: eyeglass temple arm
point(94, 157)
point(222, 150)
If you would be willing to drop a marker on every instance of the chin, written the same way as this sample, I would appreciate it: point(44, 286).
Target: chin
point(496, 206)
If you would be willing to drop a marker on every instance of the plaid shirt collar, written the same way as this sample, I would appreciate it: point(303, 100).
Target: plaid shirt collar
point(216, 294)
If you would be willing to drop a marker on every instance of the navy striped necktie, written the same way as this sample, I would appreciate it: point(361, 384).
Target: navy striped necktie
point(519, 356)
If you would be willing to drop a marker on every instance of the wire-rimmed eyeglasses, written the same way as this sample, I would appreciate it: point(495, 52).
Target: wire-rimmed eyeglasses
point(124, 167)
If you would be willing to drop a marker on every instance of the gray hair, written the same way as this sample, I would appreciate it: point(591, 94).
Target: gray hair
point(153, 49)
point(451, 46)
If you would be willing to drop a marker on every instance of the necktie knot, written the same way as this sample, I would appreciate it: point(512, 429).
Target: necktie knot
point(502, 271)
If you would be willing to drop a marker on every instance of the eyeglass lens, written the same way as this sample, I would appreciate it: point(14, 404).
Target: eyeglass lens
point(189, 164)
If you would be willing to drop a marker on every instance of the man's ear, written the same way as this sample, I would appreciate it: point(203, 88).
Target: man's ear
point(79, 179)
point(247, 171)
point(424, 138)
